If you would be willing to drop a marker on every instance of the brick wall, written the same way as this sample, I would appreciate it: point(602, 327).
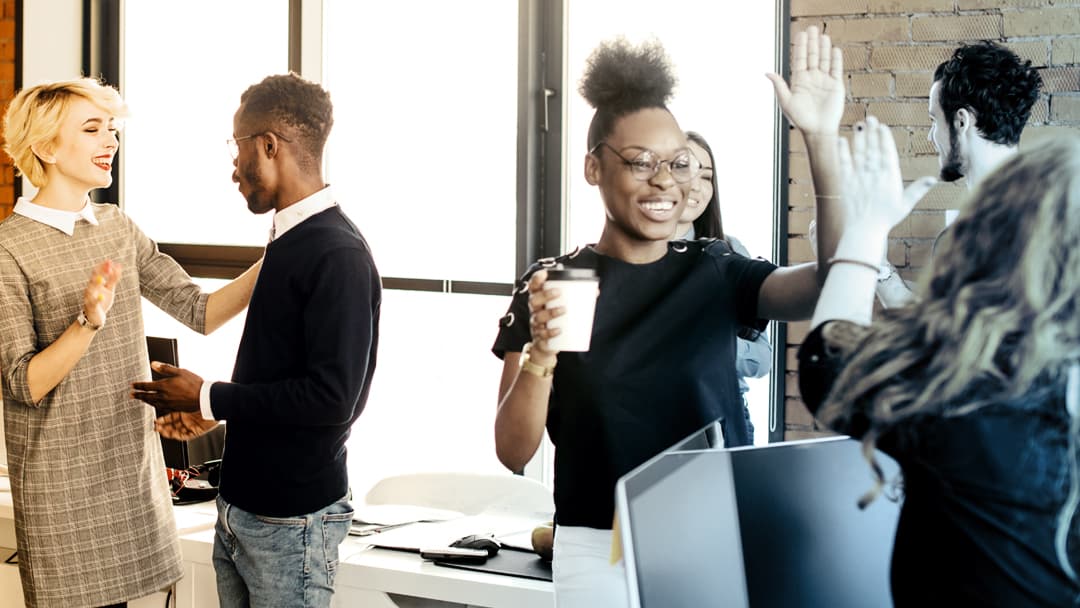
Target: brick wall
point(7, 91)
point(891, 48)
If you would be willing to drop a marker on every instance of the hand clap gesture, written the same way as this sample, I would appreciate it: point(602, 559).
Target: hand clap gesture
point(874, 198)
point(100, 291)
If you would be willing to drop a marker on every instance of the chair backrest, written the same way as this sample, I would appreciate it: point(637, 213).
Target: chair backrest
point(466, 493)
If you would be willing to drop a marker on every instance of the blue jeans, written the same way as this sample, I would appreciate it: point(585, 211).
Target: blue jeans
point(272, 562)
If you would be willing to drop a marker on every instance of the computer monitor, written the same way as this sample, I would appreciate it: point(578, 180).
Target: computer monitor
point(776, 525)
point(182, 455)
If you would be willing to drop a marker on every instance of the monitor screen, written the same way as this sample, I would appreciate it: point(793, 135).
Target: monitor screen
point(681, 532)
point(777, 525)
point(804, 538)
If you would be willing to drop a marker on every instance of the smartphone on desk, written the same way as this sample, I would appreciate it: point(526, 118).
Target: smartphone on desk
point(455, 554)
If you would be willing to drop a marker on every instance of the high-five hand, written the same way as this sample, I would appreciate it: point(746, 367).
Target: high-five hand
point(100, 291)
point(814, 103)
point(874, 198)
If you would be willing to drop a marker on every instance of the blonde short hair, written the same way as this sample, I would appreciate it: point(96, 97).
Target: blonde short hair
point(35, 115)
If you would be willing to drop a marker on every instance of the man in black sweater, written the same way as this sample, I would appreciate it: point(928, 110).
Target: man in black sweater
point(303, 368)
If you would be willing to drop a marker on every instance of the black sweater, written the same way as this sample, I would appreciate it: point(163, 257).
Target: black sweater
point(303, 370)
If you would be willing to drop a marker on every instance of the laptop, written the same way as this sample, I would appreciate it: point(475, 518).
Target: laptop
point(184, 455)
point(776, 525)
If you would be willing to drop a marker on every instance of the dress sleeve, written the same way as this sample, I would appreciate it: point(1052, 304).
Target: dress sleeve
point(18, 338)
point(743, 277)
point(514, 330)
point(165, 283)
point(821, 361)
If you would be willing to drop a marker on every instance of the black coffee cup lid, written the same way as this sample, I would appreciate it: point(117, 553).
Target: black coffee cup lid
point(571, 274)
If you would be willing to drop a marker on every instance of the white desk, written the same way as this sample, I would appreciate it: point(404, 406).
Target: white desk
point(366, 574)
point(364, 578)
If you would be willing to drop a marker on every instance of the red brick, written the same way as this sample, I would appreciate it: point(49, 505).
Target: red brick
point(793, 434)
point(799, 251)
point(968, 27)
point(795, 412)
point(1059, 79)
point(910, 6)
point(1044, 22)
point(797, 331)
point(800, 8)
point(800, 196)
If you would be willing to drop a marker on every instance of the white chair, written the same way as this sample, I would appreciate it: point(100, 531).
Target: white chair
point(466, 493)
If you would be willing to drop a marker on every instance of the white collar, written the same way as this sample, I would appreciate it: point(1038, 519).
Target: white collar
point(301, 210)
point(64, 221)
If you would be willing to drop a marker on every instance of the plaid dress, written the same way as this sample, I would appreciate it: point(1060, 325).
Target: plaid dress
point(93, 516)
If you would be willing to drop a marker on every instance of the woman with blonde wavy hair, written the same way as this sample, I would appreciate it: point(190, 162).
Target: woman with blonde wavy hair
point(974, 388)
point(93, 517)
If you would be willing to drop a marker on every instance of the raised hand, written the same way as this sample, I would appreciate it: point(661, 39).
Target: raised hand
point(100, 291)
point(873, 194)
point(183, 426)
point(814, 103)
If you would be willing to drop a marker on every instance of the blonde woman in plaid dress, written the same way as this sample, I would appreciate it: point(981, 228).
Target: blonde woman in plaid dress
point(93, 516)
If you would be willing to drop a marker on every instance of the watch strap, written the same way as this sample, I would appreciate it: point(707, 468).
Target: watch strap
point(85, 322)
point(535, 369)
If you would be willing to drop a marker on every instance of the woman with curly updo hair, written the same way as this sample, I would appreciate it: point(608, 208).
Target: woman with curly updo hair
point(661, 363)
point(974, 388)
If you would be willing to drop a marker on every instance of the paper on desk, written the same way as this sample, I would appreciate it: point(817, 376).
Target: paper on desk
point(390, 515)
point(441, 534)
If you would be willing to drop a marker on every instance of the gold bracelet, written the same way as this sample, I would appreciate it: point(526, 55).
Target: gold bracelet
point(540, 371)
point(875, 267)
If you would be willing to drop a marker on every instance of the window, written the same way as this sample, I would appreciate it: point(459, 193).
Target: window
point(177, 172)
point(431, 169)
point(426, 167)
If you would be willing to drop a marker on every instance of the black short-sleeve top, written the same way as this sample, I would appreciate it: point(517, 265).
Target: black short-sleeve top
point(661, 365)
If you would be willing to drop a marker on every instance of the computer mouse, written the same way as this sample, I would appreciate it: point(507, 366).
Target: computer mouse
point(479, 541)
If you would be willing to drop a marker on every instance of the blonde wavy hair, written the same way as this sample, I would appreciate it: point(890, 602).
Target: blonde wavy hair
point(999, 313)
point(35, 115)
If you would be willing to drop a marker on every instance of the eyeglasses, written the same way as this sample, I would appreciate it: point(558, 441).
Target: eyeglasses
point(683, 168)
point(234, 146)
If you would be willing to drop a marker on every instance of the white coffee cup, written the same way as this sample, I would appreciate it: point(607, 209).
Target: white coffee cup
point(579, 288)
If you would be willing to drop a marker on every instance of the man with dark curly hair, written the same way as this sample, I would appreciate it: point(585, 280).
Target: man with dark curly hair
point(980, 101)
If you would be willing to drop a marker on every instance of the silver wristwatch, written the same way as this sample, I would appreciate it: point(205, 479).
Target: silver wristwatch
point(85, 322)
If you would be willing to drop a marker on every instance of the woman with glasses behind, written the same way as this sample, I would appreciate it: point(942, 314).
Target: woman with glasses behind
point(702, 219)
point(93, 516)
point(661, 360)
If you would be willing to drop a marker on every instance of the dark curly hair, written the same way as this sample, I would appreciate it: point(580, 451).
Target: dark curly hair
point(992, 82)
point(620, 79)
point(294, 108)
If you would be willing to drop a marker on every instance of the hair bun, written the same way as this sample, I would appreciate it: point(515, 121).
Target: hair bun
point(621, 77)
